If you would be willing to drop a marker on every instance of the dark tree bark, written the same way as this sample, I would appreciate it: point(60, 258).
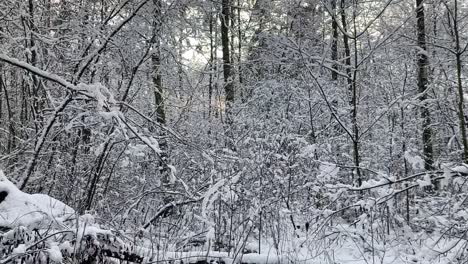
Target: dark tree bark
point(347, 50)
point(461, 111)
point(158, 90)
point(228, 85)
point(423, 63)
point(212, 61)
point(334, 45)
point(227, 70)
point(352, 88)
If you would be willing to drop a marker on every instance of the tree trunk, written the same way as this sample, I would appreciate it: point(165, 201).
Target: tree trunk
point(334, 44)
point(158, 90)
point(36, 101)
point(423, 63)
point(239, 49)
point(461, 112)
point(212, 68)
point(227, 70)
point(352, 90)
point(228, 85)
point(346, 45)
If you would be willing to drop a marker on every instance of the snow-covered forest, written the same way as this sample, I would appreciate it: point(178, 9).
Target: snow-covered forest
point(233, 131)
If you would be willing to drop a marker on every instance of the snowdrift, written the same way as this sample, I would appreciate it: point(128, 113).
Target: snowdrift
point(29, 210)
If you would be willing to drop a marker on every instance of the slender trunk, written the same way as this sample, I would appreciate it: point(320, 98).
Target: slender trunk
point(461, 112)
point(311, 120)
point(227, 71)
point(403, 151)
point(239, 44)
point(212, 68)
point(35, 86)
point(423, 63)
point(1, 79)
point(157, 86)
point(1, 97)
point(232, 38)
point(352, 89)
point(355, 105)
point(11, 128)
point(346, 45)
point(228, 86)
point(334, 45)
point(180, 69)
point(158, 90)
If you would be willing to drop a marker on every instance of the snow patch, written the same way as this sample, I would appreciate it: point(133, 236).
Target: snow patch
point(328, 171)
point(54, 253)
point(30, 210)
point(20, 249)
point(416, 161)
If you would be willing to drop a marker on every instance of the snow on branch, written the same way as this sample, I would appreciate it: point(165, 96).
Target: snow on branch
point(101, 94)
point(166, 208)
point(44, 74)
point(372, 184)
point(93, 91)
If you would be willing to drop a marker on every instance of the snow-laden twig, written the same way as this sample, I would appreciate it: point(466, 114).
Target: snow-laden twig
point(388, 181)
point(35, 70)
point(89, 91)
point(167, 207)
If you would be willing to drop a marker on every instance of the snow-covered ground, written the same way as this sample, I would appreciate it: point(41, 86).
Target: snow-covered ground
point(30, 210)
point(20, 213)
